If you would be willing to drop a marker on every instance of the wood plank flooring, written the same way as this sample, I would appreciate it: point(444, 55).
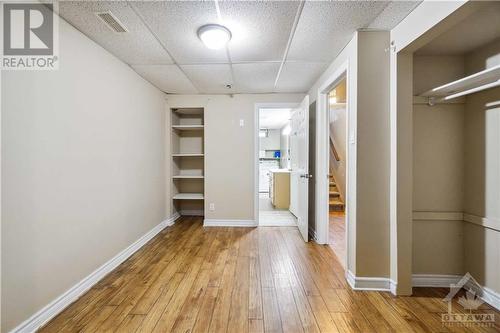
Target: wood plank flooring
point(337, 235)
point(195, 279)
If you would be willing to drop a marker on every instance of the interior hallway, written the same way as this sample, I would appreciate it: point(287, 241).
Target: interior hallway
point(190, 278)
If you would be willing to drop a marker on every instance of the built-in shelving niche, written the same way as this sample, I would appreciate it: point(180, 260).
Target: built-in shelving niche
point(188, 160)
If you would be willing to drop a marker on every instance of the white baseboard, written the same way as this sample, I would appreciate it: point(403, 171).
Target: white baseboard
point(48, 312)
point(491, 297)
point(229, 223)
point(444, 281)
point(393, 286)
point(192, 212)
point(434, 280)
point(370, 283)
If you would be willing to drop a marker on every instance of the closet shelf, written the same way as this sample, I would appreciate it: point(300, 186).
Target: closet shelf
point(188, 177)
point(188, 155)
point(188, 196)
point(188, 127)
point(482, 80)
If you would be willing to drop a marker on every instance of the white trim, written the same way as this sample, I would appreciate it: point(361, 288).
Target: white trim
point(434, 280)
point(229, 223)
point(370, 283)
point(438, 216)
point(192, 212)
point(444, 281)
point(52, 309)
point(486, 222)
point(491, 297)
point(256, 144)
point(393, 286)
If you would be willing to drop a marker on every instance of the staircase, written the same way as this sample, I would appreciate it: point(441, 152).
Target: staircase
point(336, 204)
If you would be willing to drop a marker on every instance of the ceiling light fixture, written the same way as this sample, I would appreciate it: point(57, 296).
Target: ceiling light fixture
point(214, 36)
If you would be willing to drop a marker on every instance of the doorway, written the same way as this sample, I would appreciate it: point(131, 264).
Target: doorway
point(336, 179)
point(337, 149)
point(275, 148)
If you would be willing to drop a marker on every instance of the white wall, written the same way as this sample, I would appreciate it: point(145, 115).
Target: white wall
point(82, 171)
point(229, 149)
point(272, 141)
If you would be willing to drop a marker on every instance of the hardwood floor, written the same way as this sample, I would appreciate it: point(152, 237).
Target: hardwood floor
point(336, 232)
point(195, 279)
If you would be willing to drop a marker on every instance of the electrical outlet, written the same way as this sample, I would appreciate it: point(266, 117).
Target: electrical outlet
point(211, 207)
point(242, 122)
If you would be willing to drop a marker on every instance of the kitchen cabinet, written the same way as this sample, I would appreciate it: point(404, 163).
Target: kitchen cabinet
point(279, 188)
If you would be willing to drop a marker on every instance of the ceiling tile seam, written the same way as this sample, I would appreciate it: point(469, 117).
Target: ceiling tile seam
point(254, 62)
point(161, 43)
point(290, 38)
point(228, 54)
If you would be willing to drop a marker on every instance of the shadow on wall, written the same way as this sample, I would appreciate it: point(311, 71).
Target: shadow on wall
point(312, 167)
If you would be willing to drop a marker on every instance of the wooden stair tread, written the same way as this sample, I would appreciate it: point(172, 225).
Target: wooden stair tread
point(336, 202)
point(334, 193)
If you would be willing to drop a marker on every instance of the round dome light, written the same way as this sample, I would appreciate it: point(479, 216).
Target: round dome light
point(214, 36)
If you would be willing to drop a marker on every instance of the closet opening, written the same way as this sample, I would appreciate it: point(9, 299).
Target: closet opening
point(454, 147)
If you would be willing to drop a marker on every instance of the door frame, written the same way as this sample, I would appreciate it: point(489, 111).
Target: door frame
point(257, 107)
point(323, 153)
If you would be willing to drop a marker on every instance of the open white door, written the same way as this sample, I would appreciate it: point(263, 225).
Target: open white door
point(299, 156)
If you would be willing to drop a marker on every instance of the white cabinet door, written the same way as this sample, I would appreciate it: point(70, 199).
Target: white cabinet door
point(299, 154)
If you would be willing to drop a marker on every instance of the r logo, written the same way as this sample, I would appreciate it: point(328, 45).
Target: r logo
point(28, 29)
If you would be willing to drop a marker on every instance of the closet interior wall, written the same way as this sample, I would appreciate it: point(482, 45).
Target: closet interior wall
point(456, 170)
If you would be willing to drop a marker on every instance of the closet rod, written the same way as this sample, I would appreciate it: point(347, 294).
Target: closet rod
point(433, 100)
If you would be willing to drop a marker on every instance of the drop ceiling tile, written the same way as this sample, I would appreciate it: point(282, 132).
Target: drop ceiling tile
point(137, 46)
point(324, 28)
point(298, 77)
point(394, 13)
point(209, 79)
point(260, 29)
point(176, 24)
point(168, 78)
point(255, 77)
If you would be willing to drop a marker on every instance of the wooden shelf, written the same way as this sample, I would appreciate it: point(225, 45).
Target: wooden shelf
point(188, 155)
point(475, 80)
point(188, 177)
point(188, 111)
point(188, 196)
point(188, 127)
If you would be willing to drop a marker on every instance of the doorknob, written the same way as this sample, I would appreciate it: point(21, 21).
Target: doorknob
point(306, 175)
